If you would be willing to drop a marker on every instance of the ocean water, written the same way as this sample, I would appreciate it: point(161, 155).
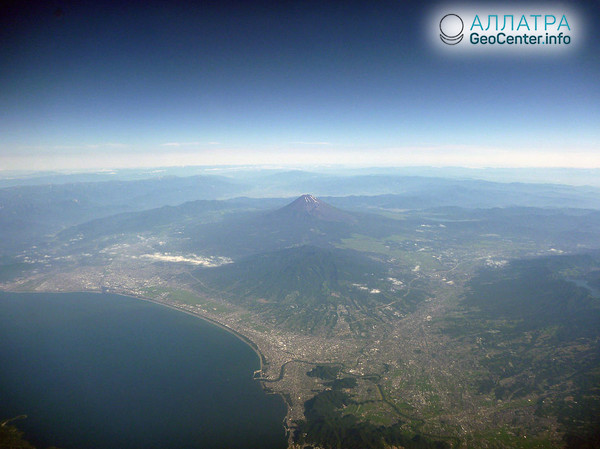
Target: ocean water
point(95, 371)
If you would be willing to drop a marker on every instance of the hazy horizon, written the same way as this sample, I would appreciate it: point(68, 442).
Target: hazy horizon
point(534, 175)
point(93, 86)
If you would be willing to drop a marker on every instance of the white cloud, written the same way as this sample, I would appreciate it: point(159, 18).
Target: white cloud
point(193, 259)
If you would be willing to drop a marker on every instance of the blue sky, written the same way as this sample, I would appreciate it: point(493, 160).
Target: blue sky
point(102, 85)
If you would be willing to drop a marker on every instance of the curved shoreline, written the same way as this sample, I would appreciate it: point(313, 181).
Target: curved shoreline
point(261, 358)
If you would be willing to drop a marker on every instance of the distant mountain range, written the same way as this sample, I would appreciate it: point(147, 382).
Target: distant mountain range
point(32, 214)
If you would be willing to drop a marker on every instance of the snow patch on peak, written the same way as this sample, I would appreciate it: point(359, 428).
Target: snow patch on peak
point(309, 198)
point(308, 206)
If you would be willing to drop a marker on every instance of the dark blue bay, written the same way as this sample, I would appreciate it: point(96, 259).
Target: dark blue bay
point(106, 371)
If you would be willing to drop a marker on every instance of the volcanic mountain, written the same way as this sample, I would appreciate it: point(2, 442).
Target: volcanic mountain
point(307, 207)
point(305, 221)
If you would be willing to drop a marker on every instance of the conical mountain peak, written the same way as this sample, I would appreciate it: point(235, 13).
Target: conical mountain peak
point(308, 206)
point(308, 198)
point(307, 202)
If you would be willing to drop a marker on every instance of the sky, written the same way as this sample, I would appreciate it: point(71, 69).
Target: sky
point(92, 85)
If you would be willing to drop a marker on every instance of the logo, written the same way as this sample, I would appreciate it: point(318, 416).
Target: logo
point(451, 27)
point(477, 29)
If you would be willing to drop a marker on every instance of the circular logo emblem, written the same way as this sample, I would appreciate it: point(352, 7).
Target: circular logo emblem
point(451, 27)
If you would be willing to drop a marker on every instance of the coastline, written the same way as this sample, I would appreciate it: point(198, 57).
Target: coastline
point(253, 345)
point(261, 358)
